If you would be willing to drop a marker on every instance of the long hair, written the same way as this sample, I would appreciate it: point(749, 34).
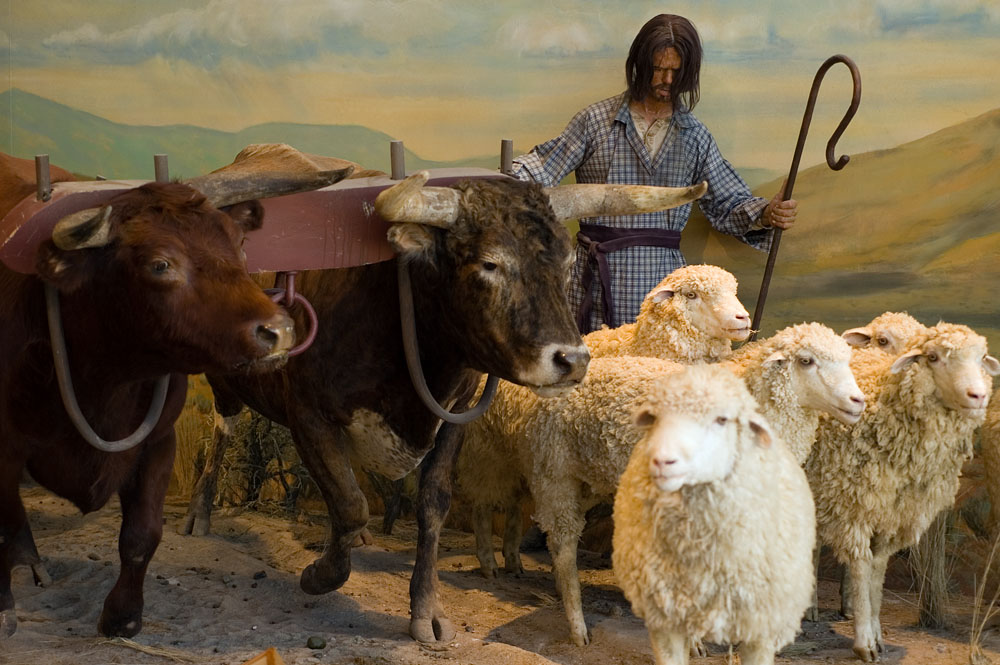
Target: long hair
point(658, 33)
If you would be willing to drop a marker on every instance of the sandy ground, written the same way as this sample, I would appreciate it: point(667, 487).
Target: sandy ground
point(228, 597)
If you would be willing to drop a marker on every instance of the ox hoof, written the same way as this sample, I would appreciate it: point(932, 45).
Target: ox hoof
point(432, 629)
point(8, 623)
point(118, 626)
point(315, 581)
point(195, 525)
point(363, 538)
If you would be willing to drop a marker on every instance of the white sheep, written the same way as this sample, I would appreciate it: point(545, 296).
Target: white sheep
point(714, 525)
point(888, 332)
point(879, 483)
point(693, 315)
point(797, 374)
point(568, 452)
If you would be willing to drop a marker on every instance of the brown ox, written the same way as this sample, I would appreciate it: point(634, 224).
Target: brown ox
point(150, 285)
point(488, 288)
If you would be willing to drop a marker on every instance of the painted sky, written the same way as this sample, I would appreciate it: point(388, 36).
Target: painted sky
point(453, 77)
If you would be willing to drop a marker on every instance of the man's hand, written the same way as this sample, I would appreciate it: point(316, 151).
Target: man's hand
point(779, 213)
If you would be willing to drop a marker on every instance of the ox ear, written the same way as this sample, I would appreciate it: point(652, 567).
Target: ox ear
point(66, 270)
point(991, 365)
point(857, 336)
point(905, 360)
point(248, 215)
point(411, 239)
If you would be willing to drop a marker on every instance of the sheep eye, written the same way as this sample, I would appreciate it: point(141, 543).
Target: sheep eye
point(932, 357)
point(159, 266)
point(691, 295)
point(489, 266)
point(806, 362)
point(721, 420)
point(882, 341)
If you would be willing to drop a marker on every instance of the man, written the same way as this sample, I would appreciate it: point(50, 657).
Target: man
point(648, 136)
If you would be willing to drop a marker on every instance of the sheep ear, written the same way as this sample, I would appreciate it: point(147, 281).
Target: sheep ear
point(644, 418)
point(991, 365)
point(762, 432)
point(776, 357)
point(904, 360)
point(661, 295)
point(857, 336)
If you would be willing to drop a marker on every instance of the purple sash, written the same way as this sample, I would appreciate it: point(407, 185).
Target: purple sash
point(598, 241)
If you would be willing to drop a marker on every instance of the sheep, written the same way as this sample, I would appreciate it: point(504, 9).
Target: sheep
point(714, 525)
point(888, 332)
point(796, 374)
point(693, 315)
point(990, 446)
point(568, 452)
point(878, 484)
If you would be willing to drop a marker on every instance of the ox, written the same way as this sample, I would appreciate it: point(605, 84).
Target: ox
point(488, 261)
point(147, 288)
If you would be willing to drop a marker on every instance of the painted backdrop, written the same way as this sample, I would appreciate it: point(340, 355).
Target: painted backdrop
point(913, 222)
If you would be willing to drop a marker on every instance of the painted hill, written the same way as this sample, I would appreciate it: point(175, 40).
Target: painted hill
point(87, 144)
point(916, 228)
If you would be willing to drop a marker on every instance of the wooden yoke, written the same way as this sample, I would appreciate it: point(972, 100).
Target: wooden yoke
point(333, 227)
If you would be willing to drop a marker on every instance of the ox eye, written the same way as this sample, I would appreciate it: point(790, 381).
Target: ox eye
point(721, 420)
point(691, 295)
point(159, 267)
point(489, 266)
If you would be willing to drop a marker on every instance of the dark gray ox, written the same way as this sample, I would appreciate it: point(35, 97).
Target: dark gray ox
point(148, 288)
point(489, 260)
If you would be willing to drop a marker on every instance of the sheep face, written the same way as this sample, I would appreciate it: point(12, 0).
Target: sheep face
point(889, 332)
point(959, 367)
point(705, 299)
point(823, 381)
point(695, 436)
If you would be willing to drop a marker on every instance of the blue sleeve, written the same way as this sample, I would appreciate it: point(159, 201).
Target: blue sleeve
point(550, 162)
point(728, 204)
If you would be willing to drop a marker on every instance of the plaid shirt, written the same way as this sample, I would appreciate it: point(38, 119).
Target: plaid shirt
point(601, 144)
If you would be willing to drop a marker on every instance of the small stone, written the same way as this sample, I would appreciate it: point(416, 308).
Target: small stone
point(469, 629)
point(93, 557)
point(316, 642)
point(260, 574)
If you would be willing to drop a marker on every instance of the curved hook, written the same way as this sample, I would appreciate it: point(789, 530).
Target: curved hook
point(285, 294)
point(807, 119)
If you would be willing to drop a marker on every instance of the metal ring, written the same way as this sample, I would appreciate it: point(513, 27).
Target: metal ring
point(278, 295)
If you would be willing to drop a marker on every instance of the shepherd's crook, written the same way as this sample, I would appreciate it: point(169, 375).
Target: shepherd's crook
point(790, 183)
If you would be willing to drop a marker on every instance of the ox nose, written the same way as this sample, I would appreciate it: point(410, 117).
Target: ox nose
point(572, 363)
point(276, 335)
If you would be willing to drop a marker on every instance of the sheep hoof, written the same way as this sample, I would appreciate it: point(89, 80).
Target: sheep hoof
point(698, 648)
point(812, 614)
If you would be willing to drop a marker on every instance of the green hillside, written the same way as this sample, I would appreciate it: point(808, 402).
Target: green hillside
point(87, 144)
point(915, 228)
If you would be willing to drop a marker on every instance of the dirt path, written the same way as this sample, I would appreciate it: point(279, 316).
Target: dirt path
point(227, 597)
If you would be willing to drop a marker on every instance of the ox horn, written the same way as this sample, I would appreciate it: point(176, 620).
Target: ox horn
point(575, 201)
point(409, 201)
point(228, 187)
point(85, 228)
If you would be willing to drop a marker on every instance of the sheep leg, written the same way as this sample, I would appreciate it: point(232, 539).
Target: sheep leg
point(880, 562)
point(512, 539)
point(865, 644)
point(846, 602)
point(669, 647)
point(812, 612)
point(755, 653)
point(482, 526)
point(562, 546)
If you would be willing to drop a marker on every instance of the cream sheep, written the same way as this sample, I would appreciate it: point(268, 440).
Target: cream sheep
point(693, 315)
point(879, 483)
point(714, 525)
point(796, 374)
point(568, 452)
